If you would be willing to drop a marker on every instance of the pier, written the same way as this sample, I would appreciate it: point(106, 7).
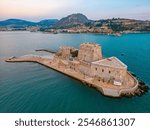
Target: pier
point(47, 50)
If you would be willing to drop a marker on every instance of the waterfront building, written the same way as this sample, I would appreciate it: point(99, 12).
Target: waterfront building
point(110, 70)
point(89, 62)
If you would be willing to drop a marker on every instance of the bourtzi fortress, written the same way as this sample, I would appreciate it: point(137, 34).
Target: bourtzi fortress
point(108, 75)
point(88, 61)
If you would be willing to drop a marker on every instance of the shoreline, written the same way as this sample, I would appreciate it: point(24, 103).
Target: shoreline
point(136, 32)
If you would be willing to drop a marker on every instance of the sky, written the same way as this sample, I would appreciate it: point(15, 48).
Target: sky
point(36, 10)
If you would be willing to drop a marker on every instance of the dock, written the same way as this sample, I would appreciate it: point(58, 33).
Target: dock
point(47, 50)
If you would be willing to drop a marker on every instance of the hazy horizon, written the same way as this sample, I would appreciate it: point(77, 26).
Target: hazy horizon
point(36, 10)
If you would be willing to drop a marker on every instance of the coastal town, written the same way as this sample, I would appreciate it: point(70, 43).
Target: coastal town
point(86, 64)
point(78, 23)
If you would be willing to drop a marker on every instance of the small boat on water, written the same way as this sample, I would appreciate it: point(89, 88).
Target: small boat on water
point(117, 34)
point(122, 54)
point(11, 57)
point(55, 32)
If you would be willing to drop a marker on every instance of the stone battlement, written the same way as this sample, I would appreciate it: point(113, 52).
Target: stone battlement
point(89, 52)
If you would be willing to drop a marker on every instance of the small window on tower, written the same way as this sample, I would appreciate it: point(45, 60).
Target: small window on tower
point(102, 70)
point(109, 71)
point(95, 68)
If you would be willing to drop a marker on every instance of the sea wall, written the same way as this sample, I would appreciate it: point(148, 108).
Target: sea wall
point(129, 90)
point(112, 92)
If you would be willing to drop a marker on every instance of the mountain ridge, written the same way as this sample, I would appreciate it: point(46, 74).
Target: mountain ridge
point(21, 22)
point(79, 23)
point(72, 20)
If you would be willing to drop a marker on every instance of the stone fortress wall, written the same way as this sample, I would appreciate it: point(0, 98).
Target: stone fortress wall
point(109, 70)
point(92, 64)
point(89, 52)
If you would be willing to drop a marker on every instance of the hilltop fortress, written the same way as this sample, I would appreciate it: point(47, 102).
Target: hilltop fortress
point(108, 75)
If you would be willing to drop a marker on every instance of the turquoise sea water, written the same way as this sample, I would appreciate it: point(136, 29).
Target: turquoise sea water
point(30, 87)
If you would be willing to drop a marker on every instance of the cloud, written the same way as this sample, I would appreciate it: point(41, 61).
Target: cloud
point(94, 9)
point(29, 8)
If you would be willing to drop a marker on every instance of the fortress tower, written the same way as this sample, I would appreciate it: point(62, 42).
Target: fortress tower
point(89, 52)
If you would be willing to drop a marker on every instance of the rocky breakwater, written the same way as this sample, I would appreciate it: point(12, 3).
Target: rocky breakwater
point(141, 90)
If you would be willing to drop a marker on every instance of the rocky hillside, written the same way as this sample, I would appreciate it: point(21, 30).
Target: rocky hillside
point(121, 24)
point(72, 20)
point(16, 22)
point(78, 23)
point(23, 23)
point(47, 22)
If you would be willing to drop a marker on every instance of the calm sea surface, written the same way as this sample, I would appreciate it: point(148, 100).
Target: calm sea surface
point(30, 87)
